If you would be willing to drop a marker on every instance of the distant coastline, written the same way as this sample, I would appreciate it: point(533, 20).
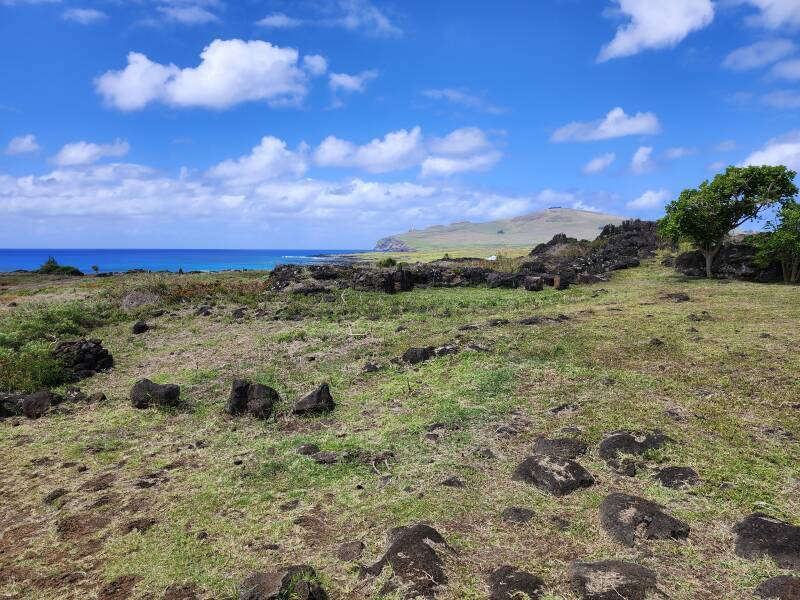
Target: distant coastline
point(115, 260)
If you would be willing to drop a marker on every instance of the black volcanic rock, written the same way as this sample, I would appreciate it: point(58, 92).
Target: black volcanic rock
point(558, 476)
point(611, 580)
point(625, 517)
point(317, 402)
point(759, 535)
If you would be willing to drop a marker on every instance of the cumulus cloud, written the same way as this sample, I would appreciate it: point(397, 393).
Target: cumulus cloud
point(759, 54)
point(269, 160)
point(653, 25)
point(23, 144)
point(279, 21)
point(774, 14)
point(315, 64)
point(464, 150)
point(615, 124)
point(342, 82)
point(642, 161)
point(190, 12)
point(230, 72)
point(650, 199)
point(788, 69)
point(599, 163)
point(465, 99)
point(84, 16)
point(397, 151)
point(85, 153)
point(783, 150)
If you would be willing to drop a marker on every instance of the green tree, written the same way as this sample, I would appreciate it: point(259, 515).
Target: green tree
point(96, 269)
point(782, 242)
point(706, 215)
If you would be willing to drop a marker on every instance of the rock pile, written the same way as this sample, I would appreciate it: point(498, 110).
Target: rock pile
point(83, 358)
point(736, 260)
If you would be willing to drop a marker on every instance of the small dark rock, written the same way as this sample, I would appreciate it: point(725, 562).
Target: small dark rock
point(139, 327)
point(453, 482)
point(783, 587)
point(317, 402)
point(140, 525)
point(146, 393)
point(307, 449)
point(625, 517)
point(624, 442)
point(656, 342)
point(676, 297)
point(251, 398)
point(350, 551)
point(370, 367)
point(415, 356)
point(298, 582)
point(507, 583)
point(54, 495)
point(557, 476)
point(37, 404)
point(611, 580)
point(759, 535)
point(677, 477)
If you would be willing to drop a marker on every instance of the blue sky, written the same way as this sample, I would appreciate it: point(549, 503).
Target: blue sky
point(330, 123)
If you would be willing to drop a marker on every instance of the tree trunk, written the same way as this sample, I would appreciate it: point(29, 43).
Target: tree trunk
point(796, 272)
point(710, 254)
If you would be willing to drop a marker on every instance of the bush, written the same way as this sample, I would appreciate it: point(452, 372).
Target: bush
point(51, 267)
point(387, 262)
point(30, 369)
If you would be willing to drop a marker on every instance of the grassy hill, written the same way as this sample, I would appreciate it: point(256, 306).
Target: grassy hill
point(524, 231)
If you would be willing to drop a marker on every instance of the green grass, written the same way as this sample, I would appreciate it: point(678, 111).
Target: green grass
point(729, 384)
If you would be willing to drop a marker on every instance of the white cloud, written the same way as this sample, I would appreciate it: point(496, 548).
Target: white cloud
point(446, 166)
point(784, 99)
point(84, 16)
point(717, 166)
point(463, 98)
point(315, 64)
point(461, 142)
point(190, 12)
point(642, 161)
point(680, 152)
point(342, 82)
point(783, 150)
point(581, 205)
point(397, 151)
point(599, 163)
point(615, 124)
point(650, 199)
point(23, 144)
point(656, 24)
point(788, 69)
point(230, 72)
point(269, 160)
point(759, 54)
point(774, 14)
point(279, 21)
point(84, 153)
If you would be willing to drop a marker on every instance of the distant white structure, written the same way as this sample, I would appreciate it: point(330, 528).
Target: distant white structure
point(492, 257)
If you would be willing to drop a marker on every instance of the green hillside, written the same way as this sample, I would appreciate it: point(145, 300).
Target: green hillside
point(526, 230)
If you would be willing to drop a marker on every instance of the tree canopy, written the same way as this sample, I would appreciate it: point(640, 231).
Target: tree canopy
point(704, 216)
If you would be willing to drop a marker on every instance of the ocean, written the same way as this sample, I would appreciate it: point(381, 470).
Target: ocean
point(115, 260)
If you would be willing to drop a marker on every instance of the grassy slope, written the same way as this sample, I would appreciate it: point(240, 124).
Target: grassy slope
point(730, 384)
point(520, 232)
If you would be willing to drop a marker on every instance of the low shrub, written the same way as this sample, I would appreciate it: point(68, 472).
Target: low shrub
point(51, 267)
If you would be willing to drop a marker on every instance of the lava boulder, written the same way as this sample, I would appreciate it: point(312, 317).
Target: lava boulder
point(145, 393)
point(317, 402)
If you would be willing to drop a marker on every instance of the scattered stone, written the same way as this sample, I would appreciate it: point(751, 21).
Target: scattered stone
point(625, 517)
point(703, 316)
point(557, 476)
point(497, 322)
point(146, 393)
point(624, 442)
point(413, 558)
point(656, 342)
point(783, 587)
point(765, 336)
point(298, 582)
point(518, 515)
point(507, 583)
point(677, 477)
point(370, 367)
point(239, 313)
point(506, 431)
point(290, 505)
point(119, 589)
point(307, 449)
point(611, 580)
point(559, 447)
point(759, 535)
point(181, 592)
point(485, 453)
point(453, 482)
point(468, 327)
point(533, 284)
point(140, 525)
point(676, 297)
point(83, 358)
point(415, 356)
point(139, 327)
point(564, 409)
point(203, 311)
point(317, 402)
point(350, 551)
point(37, 404)
point(330, 458)
point(99, 483)
point(54, 495)
point(254, 399)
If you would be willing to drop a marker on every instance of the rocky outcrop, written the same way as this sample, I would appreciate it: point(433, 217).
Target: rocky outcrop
point(736, 260)
point(297, 581)
point(146, 393)
point(83, 358)
point(392, 244)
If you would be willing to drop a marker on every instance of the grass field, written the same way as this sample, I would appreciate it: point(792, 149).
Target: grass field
point(158, 498)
